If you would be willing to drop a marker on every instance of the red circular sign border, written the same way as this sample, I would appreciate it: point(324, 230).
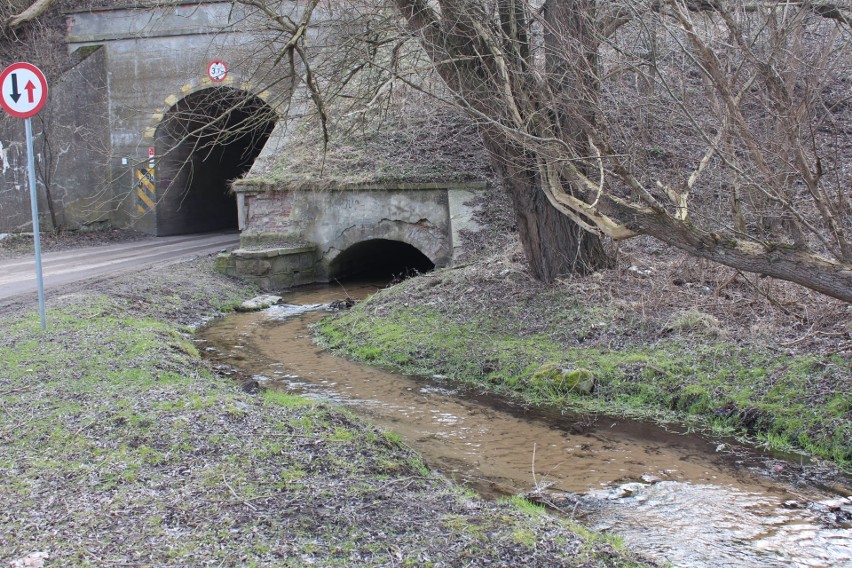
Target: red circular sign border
point(225, 65)
point(41, 78)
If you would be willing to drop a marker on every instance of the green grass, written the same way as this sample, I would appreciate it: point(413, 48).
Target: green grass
point(281, 398)
point(787, 402)
point(119, 446)
point(526, 506)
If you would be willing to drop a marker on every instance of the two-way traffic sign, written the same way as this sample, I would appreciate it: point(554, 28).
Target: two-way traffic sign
point(23, 92)
point(23, 89)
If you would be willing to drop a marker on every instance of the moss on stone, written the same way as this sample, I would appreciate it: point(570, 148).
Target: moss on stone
point(560, 380)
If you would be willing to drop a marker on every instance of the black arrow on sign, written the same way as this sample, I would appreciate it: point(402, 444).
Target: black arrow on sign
point(15, 94)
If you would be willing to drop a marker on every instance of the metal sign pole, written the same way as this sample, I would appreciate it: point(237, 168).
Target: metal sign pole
point(31, 173)
point(23, 93)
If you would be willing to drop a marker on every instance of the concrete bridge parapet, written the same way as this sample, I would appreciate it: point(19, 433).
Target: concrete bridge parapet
point(346, 230)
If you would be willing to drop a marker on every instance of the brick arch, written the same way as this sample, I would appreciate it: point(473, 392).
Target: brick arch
point(232, 81)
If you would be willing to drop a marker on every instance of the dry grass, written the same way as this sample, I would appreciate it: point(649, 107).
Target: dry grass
point(414, 141)
point(121, 447)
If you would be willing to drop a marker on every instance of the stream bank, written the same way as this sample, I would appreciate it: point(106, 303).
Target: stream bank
point(120, 446)
point(675, 497)
point(669, 344)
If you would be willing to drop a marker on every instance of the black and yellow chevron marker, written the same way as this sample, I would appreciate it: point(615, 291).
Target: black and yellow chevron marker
point(144, 185)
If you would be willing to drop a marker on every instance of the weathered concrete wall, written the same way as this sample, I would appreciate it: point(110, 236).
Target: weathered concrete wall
point(158, 55)
point(78, 132)
point(71, 139)
point(272, 268)
point(428, 217)
point(14, 189)
point(336, 220)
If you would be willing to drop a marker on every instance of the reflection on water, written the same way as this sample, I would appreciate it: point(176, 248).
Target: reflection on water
point(694, 509)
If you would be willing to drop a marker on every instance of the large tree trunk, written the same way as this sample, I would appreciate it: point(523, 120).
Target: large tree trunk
point(553, 244)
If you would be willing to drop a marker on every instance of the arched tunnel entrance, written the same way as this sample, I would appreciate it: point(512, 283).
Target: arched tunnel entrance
point(378, 259)
point(205, 141)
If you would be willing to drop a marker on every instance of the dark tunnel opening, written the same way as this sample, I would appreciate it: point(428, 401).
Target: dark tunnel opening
point(379, 259)
point(205, 141)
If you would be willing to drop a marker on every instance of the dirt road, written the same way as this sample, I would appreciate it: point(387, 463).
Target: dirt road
point(65, 268)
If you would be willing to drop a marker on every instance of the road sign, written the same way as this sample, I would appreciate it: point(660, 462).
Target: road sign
point(24, 90)
point(217, 71)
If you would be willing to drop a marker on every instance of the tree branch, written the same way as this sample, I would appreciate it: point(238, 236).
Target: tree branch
point(38, 8)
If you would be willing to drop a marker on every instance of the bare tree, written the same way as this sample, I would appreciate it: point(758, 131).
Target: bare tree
point(718, 127)
point(741, 95)
point(625, 118)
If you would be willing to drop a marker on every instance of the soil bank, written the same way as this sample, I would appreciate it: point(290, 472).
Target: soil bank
point(666, 339)
point(120, 446)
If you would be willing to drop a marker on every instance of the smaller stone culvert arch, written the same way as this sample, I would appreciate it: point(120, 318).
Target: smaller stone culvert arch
point(379, 258)
point(204, 142)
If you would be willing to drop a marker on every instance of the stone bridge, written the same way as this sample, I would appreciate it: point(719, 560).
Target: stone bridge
point(139, 109)
point(295, 237)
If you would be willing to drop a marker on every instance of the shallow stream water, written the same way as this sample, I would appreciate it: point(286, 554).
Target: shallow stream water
point(681, 498)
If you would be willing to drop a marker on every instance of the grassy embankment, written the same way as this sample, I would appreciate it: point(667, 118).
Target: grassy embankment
point(547, 345)
point(119, 446)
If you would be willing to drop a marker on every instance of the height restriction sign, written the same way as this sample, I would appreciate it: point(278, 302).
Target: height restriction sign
point(24, 90)
point(217, 71)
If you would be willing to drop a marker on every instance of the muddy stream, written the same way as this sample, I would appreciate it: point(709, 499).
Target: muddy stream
point(680, 498)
